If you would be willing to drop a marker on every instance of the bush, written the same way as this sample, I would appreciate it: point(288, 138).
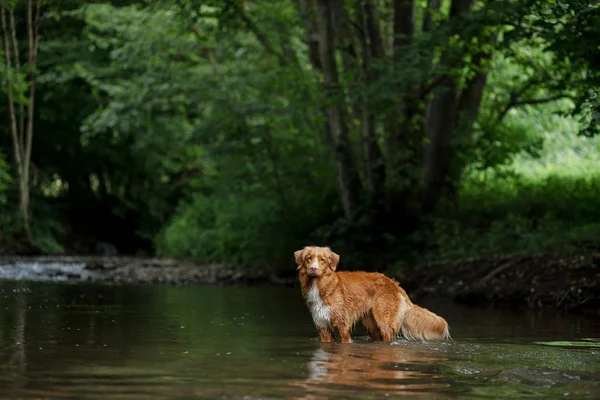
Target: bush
point(517, 217)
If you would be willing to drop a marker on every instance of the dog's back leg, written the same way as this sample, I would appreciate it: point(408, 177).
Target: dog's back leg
point(387, 311)
point(369, 322)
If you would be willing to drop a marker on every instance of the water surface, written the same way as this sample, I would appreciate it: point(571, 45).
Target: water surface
point(85, 341)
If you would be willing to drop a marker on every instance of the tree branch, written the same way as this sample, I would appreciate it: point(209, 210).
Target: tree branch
point(514, 97)
point(540, 101)
point(260, 36)
point(286, 45)
point(208, 52)
point(426, 89)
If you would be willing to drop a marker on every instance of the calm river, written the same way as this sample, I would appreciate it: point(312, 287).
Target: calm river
point(84, 341)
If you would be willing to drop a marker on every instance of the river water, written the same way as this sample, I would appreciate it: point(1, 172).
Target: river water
point(86, 341)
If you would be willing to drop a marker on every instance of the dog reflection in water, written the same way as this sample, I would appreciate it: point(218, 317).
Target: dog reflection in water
point(375, 368)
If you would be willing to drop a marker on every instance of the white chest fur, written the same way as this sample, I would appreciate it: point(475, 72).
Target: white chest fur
point(319, 311)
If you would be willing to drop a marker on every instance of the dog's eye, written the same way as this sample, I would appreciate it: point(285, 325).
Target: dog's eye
point(308, 258)
point(322, 260)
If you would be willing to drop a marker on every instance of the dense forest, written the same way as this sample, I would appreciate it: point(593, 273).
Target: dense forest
point(240, 130)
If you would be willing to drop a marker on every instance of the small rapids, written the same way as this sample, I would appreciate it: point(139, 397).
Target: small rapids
point(34, 271)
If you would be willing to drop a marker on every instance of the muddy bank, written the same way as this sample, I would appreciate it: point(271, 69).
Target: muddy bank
point(127, 270)
point(565, 278)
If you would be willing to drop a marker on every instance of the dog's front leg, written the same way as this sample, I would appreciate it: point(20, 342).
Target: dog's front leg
point(344, 330)
point(345, 336)
point(325, 334)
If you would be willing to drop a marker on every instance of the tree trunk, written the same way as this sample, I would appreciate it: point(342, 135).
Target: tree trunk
point(371, 45)
point(14, 131)
point(33, 46)
point(347, 175)
point(433, 6)
point(440, 126)
point(346, 47)
point(470, 97)
point(404, 25)
point(402, 134)
point(307, 12)
point(17, 56)
point(22, 137)
point(399, 129)
point(16, 134)
point(372, 20)
point(307, 16)
point(469, 102)
point(343, 38)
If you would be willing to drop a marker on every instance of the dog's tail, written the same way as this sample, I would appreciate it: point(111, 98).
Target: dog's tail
point(421, 324)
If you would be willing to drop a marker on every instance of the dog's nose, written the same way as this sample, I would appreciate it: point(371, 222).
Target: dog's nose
point(312, 269)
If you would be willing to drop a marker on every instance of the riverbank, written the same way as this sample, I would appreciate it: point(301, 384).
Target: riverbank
point(563, 278)
point(129, 270)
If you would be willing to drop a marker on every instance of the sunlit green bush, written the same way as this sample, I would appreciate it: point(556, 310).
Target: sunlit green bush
point(249, 231)
point(537, 200)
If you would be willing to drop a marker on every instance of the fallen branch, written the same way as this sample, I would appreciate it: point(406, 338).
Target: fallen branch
point(493, 273)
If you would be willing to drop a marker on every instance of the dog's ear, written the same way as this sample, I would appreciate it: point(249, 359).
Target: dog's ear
point(299, 259)
point(334, 259)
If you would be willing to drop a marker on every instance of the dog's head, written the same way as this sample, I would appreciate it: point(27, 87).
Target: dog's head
point(316, 261)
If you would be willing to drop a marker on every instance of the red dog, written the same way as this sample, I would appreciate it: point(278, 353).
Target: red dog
point(337, 300)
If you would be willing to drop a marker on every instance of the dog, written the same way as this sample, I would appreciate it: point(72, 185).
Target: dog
point(338, 300)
